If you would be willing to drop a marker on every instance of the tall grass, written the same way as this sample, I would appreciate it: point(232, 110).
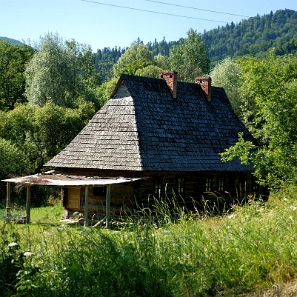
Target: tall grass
point(253, 247)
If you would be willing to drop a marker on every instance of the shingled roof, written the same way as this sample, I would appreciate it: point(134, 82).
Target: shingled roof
point(143, 128)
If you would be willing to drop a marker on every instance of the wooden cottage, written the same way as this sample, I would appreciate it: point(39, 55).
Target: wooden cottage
point(166, 134)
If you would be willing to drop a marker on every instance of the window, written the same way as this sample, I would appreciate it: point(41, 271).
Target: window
point(158, 186)
point(99, 191)
point(180, 185)
point(221, 184)
point(207, 184)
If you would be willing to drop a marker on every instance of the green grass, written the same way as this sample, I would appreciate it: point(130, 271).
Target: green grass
point(254, 247)
point(40, 215)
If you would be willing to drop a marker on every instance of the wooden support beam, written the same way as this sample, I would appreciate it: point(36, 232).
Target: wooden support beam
point(8, 192)
point(28, 204)
point(86, 208)
point(107, 206)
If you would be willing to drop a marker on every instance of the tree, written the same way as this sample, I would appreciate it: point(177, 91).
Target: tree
point(189, 58)
point(60, 72)
point(105, 90)
point(149, 71)
point(162, 62)
point(272, 84)
point(134, 66)
point(12, 162)
point(137, 51)
point(42, 132)
point(51, 74)
point(13, 59)
point(227, 74)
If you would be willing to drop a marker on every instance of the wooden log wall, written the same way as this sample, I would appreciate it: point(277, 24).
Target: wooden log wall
point(124, 197)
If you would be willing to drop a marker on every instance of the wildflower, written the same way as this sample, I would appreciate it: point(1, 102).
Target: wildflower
point(28, 254)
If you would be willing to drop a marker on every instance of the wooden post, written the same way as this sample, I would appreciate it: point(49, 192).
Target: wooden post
point(86, 210)
point(8, 214)
point(107, 206)
point(28, 204)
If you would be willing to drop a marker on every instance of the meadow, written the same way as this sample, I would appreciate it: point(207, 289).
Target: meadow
point(247, 249)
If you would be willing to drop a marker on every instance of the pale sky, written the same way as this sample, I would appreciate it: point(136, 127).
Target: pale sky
point(110, 23)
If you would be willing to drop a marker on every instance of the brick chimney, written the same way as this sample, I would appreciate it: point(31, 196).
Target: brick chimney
point(205, 83)
point(171, 79)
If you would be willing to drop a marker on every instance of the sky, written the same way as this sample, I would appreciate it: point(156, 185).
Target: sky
point(110, 23)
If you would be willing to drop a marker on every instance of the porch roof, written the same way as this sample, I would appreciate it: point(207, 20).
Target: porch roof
point(59, 179)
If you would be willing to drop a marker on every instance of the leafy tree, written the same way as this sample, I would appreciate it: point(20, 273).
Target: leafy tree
point(51, 74)
point(42, 132)
point(272, 84)
point(162, 62)
point(13, 161)
point(88, 78)
point(134, 66)
point(189, 58)
point(149, 71)
point(227, 74)
point(60, 72)
point(105, 90)
point(137, 51)
point(13, 59)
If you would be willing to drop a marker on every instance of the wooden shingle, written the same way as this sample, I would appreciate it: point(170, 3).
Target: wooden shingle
point(143, 128)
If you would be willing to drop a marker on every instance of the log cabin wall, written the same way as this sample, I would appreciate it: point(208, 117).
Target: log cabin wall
point(182, 186)
point(121, 202)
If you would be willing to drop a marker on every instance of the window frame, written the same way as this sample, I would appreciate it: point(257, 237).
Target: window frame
point(208, 184)
point(158, 185)
point(180, 185)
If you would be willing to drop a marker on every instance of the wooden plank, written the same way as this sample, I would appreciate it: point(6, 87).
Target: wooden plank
point(73, 201)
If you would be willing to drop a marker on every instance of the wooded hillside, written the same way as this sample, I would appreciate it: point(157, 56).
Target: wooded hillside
point(253, 36)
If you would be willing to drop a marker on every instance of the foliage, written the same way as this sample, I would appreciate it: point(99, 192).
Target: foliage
point(136, 52)
point(60, 72)
point(189, 58)
point(13, 162)
point(13, 59)
point(134, 66)
point(31, 129)
point(227, 74)
point(149, 71)
point(105, 90)
point(161, 62)
point(271, 85)
point(105, 58)
point(253, 36)
point(196, 256)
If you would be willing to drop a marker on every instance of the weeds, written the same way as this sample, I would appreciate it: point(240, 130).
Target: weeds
point(171, 254)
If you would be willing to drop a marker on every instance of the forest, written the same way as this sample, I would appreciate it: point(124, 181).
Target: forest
point(253, 36)
point(55, 87)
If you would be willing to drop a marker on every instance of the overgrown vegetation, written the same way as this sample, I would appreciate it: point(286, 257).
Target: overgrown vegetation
point(252, 247)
